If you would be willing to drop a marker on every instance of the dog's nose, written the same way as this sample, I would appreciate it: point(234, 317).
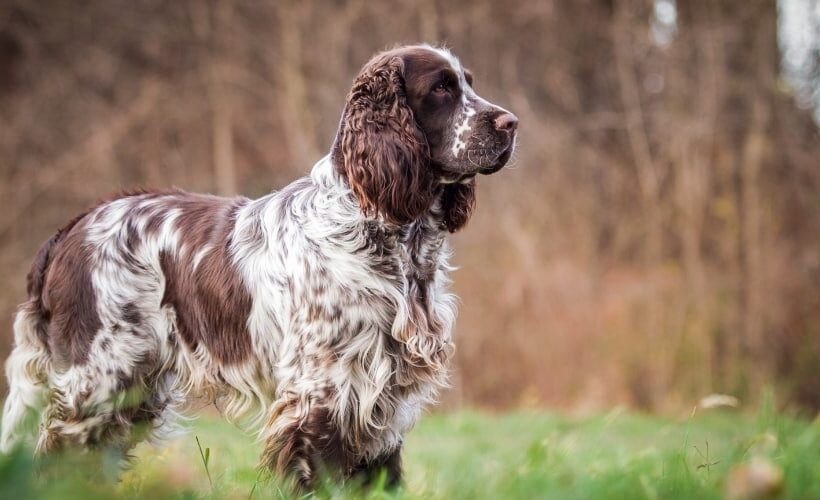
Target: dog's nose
point(506, 121)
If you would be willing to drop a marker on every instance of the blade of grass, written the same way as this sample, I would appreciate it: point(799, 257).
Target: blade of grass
point(205, 458)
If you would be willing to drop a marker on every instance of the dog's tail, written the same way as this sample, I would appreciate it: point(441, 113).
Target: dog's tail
point(29, 364)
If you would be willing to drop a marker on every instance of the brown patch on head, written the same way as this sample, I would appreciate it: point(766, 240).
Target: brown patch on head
point(212, 303)
point(464, 134)
point(434, 88)
point(423, 69)
point(379, 148)
point(399, 130)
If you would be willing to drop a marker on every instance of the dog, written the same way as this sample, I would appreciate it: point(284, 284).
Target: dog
point(324, 306)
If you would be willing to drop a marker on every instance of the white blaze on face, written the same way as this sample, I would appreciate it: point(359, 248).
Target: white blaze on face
point(462, 124)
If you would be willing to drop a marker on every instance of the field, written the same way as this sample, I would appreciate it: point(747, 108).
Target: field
point(480, 455)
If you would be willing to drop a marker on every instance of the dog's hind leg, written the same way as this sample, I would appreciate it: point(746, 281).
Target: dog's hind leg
point(27, 373)
point(84, 411)
point(97, 403)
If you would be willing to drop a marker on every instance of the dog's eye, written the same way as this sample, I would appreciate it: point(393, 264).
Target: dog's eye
point(441, 88)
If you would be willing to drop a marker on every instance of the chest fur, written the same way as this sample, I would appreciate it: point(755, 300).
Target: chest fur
point(372, 327)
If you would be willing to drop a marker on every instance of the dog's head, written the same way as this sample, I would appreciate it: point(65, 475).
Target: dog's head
point(413, 127)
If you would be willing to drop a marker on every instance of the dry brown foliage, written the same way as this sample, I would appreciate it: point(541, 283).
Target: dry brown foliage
point(655, 239)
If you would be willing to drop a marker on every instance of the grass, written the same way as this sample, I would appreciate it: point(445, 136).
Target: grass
point(474, 455)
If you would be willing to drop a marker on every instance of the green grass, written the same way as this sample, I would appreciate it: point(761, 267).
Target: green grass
point(473, 455)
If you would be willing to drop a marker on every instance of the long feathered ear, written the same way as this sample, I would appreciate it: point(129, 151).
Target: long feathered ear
point(457, 204)
point(380, 149)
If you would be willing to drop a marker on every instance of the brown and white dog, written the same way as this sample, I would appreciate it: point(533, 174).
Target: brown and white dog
point(324, 305)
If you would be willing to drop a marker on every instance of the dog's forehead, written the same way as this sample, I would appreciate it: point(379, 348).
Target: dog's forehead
point(450, 58)
point(424, 59)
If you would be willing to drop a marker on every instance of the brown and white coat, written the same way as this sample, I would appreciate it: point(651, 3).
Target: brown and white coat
point(324, 306)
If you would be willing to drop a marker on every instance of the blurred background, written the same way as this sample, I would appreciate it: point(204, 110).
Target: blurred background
point(656, 239)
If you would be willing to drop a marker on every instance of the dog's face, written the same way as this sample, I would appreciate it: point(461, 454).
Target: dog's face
point(466, 134)
point(414, 131)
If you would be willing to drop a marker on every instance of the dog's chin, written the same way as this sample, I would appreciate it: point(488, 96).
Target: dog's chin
point(499, 163)
point(485, 166)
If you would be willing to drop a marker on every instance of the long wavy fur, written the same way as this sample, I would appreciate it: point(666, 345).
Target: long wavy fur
point(385, 156)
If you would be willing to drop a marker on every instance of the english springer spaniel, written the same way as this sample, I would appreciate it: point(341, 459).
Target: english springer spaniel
point(324, 305)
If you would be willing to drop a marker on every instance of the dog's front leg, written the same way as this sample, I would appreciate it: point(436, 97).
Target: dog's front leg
point(301, 440)
point(389, 464)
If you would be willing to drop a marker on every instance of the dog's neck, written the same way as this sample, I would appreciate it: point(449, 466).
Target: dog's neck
point(327, 176)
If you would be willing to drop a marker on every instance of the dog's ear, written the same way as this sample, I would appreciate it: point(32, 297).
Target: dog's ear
point(457, 204)
point(380, 149)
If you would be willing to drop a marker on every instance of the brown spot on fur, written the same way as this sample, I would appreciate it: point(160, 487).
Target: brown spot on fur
point(390, 463)
point(312, 446)
point(212, 303)
point(457, 203)
point(309, 446)
point(123, 380)
point(60, 291)
point(131, 314)
point(74, 321)
point(37, 276)
point(154, 224)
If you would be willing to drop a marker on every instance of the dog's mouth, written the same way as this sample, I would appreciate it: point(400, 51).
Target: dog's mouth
point(484, 161)
point(498, 159)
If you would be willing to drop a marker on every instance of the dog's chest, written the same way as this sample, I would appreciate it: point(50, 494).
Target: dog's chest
point(371, 276)
point(350, 309)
